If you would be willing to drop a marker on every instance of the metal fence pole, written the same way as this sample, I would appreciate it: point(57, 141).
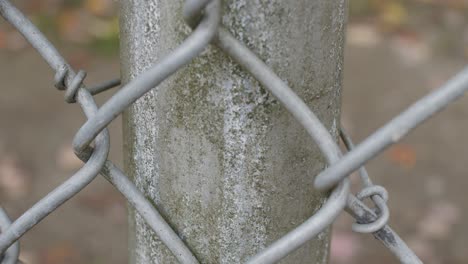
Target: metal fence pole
point(225, 163)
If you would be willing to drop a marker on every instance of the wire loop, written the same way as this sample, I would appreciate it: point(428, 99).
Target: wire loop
point(379, 197)
point(371, 191)
point(71, 90)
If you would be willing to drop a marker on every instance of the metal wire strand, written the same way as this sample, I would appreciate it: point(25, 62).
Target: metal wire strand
point(63, 192)
point(89, 171)
point(179, 57)
point(386, 235)
point(204, 16)
point(337, 200)
point(348, 142)
point(66, 190)
point(314, 225)
point(71, 90)
point(394, 130)
point(95, 157)
point(380, 199)
point(192, 11)
point(377, 224)
point(146, 210)
point(101, 87)
point(12, 253)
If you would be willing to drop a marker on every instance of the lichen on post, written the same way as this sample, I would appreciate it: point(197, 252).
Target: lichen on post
point(228, 167)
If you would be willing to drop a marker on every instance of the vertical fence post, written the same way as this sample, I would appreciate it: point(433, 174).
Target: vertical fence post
point(227, 166)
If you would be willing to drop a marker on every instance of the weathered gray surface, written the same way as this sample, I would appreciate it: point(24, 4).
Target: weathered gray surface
point(227, 166)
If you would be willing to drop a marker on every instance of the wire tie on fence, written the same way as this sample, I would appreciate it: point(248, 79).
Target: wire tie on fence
point(379, 197)
point(59, 78)
point(371, 191)
point(104, 86)
point(74, 86)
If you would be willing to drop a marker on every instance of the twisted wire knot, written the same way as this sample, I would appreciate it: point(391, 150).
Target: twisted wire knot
point(371, 191)
point(72, 89)
point(379, 197)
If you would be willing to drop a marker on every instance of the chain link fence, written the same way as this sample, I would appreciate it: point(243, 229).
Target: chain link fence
point(91, 143)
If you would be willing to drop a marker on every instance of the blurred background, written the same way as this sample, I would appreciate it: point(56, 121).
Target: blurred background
point(396, 52)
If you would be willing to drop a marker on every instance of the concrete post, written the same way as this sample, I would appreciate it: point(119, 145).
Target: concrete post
point(226, 164)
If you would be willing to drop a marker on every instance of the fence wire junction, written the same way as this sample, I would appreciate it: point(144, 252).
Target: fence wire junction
point(91, 143)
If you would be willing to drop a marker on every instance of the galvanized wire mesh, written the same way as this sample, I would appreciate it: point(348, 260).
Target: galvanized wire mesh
point(204, 17)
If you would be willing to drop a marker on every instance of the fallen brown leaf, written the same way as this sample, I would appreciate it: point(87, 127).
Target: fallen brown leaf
point(402, 155)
